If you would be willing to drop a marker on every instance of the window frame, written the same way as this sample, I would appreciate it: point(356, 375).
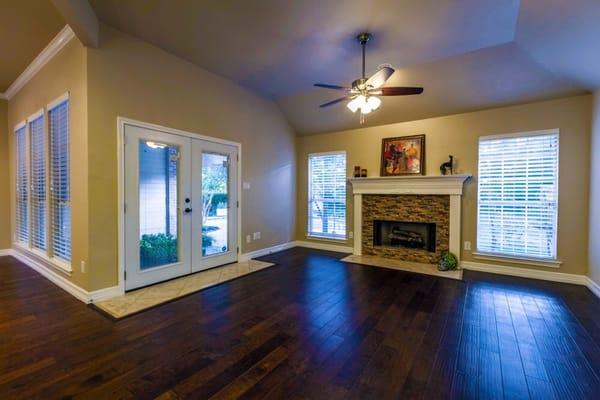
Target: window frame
point(47, 254)
point(314, 235)
point(522, 259)
point(58, 260)
point(45, 155)
point(21, 125)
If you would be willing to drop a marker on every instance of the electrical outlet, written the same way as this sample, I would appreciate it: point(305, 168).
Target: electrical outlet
point(246, 185)
point(467, 245)
point(83, 266)
point(256, 235)
point(248, 238)
point(350, 235)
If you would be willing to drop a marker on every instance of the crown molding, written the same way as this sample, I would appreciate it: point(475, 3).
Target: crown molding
point(60, 40)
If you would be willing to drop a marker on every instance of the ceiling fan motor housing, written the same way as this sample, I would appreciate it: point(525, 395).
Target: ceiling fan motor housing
point(359, 84)
point(364, 37)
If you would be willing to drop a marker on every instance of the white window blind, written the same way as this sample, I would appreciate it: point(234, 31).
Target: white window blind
point(518, 195)
point(60, 194)
point(327, 195)
point(22, 189)
point(38, 182)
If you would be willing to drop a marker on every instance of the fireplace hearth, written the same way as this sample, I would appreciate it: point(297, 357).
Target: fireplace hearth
point(401, 234)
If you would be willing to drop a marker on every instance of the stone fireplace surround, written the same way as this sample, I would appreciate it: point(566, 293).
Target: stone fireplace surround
point(425, 208)
point(408, 198)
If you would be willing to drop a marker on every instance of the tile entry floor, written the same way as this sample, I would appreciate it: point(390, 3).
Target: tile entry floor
point(150, 296)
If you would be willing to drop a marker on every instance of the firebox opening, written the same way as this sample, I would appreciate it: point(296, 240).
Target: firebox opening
point(400, 234)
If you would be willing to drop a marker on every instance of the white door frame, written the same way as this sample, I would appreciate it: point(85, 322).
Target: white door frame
point(121, 122)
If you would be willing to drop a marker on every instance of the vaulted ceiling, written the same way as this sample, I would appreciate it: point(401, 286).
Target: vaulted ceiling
point(26, 27)
point(467, 54)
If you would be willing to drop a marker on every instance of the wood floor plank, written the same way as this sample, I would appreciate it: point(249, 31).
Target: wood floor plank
point(310, 327)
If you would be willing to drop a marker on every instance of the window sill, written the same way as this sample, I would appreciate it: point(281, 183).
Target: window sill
point(537, 262)
point(326, 238)
point(44, 259)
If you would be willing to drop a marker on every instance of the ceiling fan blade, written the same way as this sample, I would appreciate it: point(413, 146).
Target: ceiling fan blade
point(400, 91)
point(332, 102)
point(378, 78)
point(334, 87)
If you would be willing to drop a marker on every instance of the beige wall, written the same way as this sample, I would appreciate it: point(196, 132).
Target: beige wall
point(458, 135)
point(66, 72)
point(130, 78)
point(594, 224)
point(4, 179)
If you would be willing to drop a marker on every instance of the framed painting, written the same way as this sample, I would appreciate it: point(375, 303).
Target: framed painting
point(403, 156)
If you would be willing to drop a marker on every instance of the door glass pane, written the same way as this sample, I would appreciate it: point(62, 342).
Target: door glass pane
point(159, 220)
point(215, 203)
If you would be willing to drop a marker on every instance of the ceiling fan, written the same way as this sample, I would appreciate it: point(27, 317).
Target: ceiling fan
point(363, 93)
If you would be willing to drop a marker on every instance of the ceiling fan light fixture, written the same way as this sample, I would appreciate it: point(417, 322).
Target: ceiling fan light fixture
point(374, 102)
point(365, 104)
point(356, 103)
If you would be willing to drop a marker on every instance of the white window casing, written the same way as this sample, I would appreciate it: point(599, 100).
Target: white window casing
point(517, 210)
point(42, 178)
point(60, 190)
point(22, 185)
point(327, 195)
point(38, 176)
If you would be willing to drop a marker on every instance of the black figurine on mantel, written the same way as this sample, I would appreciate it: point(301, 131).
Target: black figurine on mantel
point(448, 166)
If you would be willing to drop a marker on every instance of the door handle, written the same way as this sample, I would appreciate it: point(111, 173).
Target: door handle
point(187, 210)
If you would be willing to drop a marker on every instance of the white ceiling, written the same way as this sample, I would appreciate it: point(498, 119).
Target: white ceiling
point(467, 54)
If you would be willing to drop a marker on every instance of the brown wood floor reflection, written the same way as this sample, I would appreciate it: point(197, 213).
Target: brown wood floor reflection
point(310, 327)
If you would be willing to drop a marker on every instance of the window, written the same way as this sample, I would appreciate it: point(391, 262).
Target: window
point(22, 189)
point(43, 202)
point(327, 195)
point(518, 195)
point(37, 139)
point(60, 192)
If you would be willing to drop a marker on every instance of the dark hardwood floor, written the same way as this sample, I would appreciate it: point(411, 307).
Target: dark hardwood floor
point(311, 327)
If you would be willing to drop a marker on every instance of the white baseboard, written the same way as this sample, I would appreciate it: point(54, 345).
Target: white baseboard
point(323, 246)
point(263, 252)
point(5, 252)
point(104, 294)
point(62, 282)
point(295, 243)
point(525, 272)
point(52, 276)
point(593, 286)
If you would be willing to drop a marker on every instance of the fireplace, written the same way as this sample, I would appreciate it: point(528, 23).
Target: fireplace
point(401, 234)
point(412, 228)
point(418, 200)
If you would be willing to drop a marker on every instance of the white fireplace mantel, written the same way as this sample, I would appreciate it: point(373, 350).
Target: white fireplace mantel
point(450, 185)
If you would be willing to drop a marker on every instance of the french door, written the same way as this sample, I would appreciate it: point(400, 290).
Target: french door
point(180, 205)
